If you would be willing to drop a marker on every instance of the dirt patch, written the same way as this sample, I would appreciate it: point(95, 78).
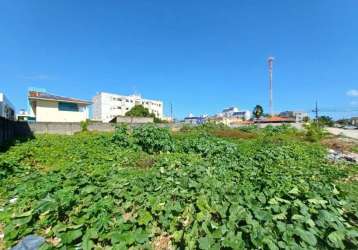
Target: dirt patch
point(145, 161)
point(53, 241)
point(340, 144)
point(129, 216)
point(236, 134)
point(162, 242)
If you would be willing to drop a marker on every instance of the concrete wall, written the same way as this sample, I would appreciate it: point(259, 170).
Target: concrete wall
point(47, 111)
point(263, 125)
point(69, 128)
point(136, 120)
point(11, 129)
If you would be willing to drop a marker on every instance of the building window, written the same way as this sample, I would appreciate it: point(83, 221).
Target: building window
point(66, 106)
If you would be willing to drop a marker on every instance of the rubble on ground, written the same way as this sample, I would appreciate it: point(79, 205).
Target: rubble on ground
point(335, 156)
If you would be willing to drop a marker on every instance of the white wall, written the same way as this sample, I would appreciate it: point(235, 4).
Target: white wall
point(47, 111)
point(106, 106)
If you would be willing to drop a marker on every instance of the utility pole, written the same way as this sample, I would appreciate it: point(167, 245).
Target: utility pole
point(171, 111)
point(270, 65)
point(316, 111)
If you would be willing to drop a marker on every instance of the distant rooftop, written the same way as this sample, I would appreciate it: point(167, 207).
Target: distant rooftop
point(35, 95)
point(194, 117)
point(229, 109)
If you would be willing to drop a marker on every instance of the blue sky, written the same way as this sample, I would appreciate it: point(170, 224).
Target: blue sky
point(200, 55)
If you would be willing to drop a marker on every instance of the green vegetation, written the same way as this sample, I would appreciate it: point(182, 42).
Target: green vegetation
point(208, 187)
point(141, 111)
point(325, 121)
point(84, 125)
point(314, 132)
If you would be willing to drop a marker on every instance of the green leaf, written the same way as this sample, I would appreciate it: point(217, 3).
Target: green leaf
point(25, 214)
point(205, 242)
point(202, 203)
point(116, 237)
point(336, 238)
point(70, 236)
point(306, 236)
point(87, 244)
point(89, 189)
point(122, 237)
point(19, 221)
point(233, 241)
point(144, 218)
point(140, 236)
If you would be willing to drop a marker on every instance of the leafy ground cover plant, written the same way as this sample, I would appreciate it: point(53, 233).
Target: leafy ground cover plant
point(195, 191)
point(153, 139)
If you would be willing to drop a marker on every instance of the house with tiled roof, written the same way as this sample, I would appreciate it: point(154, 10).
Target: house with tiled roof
point(47, 107)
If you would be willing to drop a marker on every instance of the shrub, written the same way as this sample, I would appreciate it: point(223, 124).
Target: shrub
point(84, 125)
point(275, 130)
point(153, 139)
point(314, 132)
point(7, 167)
point(121, 136)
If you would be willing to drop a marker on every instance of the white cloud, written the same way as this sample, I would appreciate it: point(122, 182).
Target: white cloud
point(352, 92)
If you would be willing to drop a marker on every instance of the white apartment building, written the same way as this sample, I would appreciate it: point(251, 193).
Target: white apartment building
point(7, 110)
point(106, 106)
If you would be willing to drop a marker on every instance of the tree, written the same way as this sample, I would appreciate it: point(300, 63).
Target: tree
point(258, 111)
point(325, 121)
point(139, 111)
point(306, 119)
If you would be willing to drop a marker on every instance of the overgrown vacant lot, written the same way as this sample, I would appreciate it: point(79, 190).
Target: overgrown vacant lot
point(204, 188)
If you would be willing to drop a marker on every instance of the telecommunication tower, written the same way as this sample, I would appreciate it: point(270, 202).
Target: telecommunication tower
point(270, 64)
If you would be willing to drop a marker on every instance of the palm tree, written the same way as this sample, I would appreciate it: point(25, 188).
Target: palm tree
point(258, 111)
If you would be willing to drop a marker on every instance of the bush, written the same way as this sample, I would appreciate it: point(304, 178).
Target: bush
point(121, 136)
point(7, 167)
point(314, 132)
point(153, 139)
point(84, 125)
point(275, 130)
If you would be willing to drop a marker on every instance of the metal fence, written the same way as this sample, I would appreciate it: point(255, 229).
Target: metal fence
point(11, 130)
point(7, 130)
